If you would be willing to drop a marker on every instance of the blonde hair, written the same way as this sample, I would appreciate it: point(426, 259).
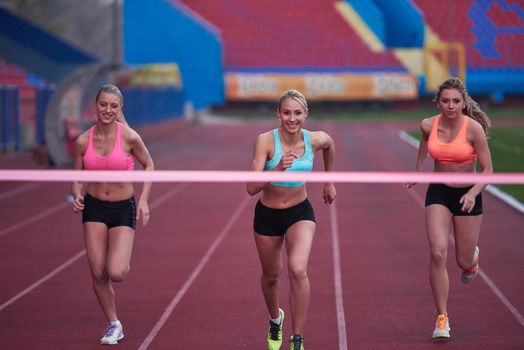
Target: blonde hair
point(471, 107)
point(296, 95)
point(112, 89)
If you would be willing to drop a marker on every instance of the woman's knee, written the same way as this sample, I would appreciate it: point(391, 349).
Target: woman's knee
point(117, 274)
point(271, 277)
point(438, 256)
point(298, 272)
point(100, 276)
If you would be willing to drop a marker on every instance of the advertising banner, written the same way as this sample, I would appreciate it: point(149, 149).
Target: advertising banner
point(322, 86)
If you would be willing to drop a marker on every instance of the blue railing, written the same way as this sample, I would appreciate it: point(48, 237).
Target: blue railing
point(43, 96)
point(10, 118)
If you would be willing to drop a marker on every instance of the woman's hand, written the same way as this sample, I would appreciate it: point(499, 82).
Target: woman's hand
point(286, 161)
point(143, 211)
point(78, 204)
point(330, 193)
point(468, 203)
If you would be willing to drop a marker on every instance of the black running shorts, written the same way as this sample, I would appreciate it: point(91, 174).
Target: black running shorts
point(275, 222)
point(450, 198)
point(119, 213)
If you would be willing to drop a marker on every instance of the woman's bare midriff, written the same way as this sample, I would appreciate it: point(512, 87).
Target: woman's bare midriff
point(455, 168)
point(110, 191)
point(283, 197)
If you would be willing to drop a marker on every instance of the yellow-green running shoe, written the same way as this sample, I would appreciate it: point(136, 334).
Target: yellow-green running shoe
point(296, 342)
point(274, 335)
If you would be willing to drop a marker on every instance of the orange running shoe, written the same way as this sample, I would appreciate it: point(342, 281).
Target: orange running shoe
point(442, 327)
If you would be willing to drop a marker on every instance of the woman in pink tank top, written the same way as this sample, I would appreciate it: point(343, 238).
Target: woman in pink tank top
point(109, 210)
point(456, 139)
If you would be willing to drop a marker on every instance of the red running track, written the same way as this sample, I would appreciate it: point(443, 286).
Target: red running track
point(194, 281)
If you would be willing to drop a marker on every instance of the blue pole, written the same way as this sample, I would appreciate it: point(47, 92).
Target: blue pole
point(16, 118)
point(40, 96)
point(5, 124)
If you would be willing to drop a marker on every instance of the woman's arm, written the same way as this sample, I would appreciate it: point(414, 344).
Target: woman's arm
point(78, 164)
point(324, 142)
point(141, 154)
point(260, 154)
point(480, 143)
point(425, 128)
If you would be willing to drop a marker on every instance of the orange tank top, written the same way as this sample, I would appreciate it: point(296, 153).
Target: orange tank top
point(458, 151)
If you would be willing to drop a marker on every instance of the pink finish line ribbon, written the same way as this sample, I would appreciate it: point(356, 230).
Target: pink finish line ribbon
point(257, 176)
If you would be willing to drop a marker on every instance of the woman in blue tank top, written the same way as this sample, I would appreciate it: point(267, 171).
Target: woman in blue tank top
point(284, 214)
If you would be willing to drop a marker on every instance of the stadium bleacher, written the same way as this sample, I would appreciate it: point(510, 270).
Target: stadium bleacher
point(491, 31)
point(276, 34)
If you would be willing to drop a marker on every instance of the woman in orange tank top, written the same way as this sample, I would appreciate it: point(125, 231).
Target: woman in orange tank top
point(456, 139)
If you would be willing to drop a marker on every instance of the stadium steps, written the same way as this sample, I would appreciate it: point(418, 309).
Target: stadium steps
point(276, 34)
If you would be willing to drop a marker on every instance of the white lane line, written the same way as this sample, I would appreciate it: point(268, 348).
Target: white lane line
point(506, 198)
point(19, 189)
point(42, 280)
point(484, 276)
point(502, 298)
point(154, 204)
point(32, 219)
point(174, 302)
point(341, 321)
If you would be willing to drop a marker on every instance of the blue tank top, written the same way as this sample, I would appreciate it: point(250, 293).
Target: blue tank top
point(304, 163)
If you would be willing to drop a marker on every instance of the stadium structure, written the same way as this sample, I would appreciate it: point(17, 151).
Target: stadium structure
point(171, 57)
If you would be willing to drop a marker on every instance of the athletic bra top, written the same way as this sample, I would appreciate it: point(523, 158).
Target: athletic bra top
point(458, 151)
point(304, 163)
point(117, 160)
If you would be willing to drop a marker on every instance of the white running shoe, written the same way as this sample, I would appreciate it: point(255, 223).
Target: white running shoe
point(442, 327)
point(112, 334)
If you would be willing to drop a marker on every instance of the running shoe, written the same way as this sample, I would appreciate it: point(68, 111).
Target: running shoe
point(112, 334)
point(274, 335)
point(296, 342)
point(468, 275)
point(441, 327)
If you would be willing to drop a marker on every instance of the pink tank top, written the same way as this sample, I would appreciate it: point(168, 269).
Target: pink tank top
point(117, 160)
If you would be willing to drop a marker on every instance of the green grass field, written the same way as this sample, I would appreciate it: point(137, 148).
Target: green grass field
point(507, 152)
point(360, 111)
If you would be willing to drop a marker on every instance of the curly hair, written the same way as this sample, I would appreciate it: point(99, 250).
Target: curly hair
point(471, 107)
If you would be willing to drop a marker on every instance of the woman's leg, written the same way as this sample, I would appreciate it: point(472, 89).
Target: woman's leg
point(96, 241)
point(467, 229)
point(438, 225)
point(269, 252)
point(109, 254)
point(119, 252)
point(299, 239)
